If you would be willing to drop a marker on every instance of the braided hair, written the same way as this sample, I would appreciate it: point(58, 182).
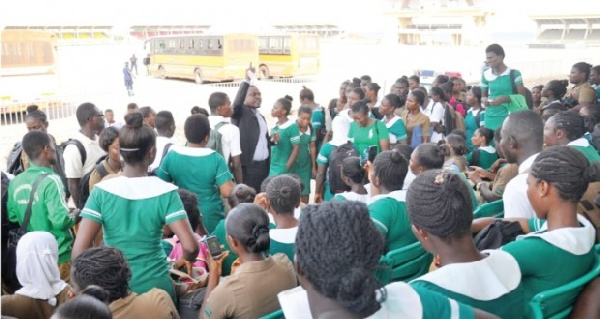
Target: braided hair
point(91, 304)
point(352, 169)
point(341, 264)
point(572, 123)
point(249, 224)
point(567, 169)
point(241, 193)
point(104, 267)
point(440, 203)
point(431, 156)
point(283, 193)
point(391, 168)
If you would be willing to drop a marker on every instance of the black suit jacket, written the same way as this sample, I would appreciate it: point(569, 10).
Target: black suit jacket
point(246, 119)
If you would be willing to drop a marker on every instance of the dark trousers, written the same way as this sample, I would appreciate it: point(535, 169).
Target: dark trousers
point(255, 174)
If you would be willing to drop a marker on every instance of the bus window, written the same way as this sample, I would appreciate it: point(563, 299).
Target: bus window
point(181, 45)
point(263, 45)
point(275, 45)
point(219, 45)
point(286, 45)
point(192, 43)
point(210, 44)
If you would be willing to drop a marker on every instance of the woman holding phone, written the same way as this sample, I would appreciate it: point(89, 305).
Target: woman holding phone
point(366, 132)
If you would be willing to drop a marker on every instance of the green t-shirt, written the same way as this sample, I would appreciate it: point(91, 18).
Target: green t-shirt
point(487, 157)
point(132, 212)
point(283, 241)
point(303, 166)
point(397, 130)
point(498, 86)
point(201, 171)
point(364, 137)
point(317, 119)
point(390, 216)
point(471, 125)
point(289, 135)
point(589, 151)
point(323, 159)
point(221, 235)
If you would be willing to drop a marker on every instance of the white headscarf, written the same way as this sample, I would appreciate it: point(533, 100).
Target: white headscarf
point(340, 126)
point(37, 267)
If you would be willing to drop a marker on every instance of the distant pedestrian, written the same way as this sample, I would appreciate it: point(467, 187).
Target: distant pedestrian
point(146, 62)
point(133, 61)
point(128, 77)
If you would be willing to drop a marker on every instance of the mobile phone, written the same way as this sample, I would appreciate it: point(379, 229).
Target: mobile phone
point(372, 153)
point(214, 247)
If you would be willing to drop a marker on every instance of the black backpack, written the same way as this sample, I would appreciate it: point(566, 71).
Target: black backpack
point(84, 182)
point(334, 173)
point(13, 163)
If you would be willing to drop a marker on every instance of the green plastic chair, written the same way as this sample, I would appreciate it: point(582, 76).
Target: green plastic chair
point(404, 264)
point(558, 302)
point(493, 209)
point(274, 315)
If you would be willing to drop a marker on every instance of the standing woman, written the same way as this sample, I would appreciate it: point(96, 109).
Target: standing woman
point(417, 123)
point(497, 86)
point(371, 93)
point(285, 138)
point(337, 105)
point(199, 169)
point(305, 166)
point(317, 120)
point(132, 210)
point(366, 131)
point(475, 115)
point(389, 104)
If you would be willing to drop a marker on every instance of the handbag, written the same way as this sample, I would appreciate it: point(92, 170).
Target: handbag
point(497, 234)
point(9, 260)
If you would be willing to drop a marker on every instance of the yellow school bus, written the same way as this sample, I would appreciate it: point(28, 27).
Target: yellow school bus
point(205, 57)
point(288, 55)
point(28, 70)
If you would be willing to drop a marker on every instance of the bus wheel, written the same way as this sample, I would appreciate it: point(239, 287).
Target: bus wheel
point(162, 73)
point(263, 72)
point(198, 77)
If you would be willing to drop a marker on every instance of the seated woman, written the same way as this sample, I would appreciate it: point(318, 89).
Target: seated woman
point(106, 268)
point(338, 278)
point(283, 193)
point(353, 175)
point(441, 213)
point(37, 271)
point(251, 291)
point(90, 304)
point(559, 245)
point(484, 155)
point(457, 147)
point(387, 206)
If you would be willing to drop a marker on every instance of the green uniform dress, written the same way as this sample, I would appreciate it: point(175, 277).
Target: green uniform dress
point(471, 124)
point(317, 120)
point(303, 166)
point(365, 137)
point(132, 212)
point(345, 196)
point(323, 159)
point(584, 146)
point(282, 241)
point(390, 216)
point(498, 86)
point(49, 211)
point(397, 130)
point(549, 259)
point(221, 235)
point(201, 171)
point(487, 157)
point(289, 135)
point(491, 284)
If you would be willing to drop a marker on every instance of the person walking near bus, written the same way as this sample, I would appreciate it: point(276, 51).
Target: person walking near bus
point(133, 61)
point(146, 62)
point(128, 77)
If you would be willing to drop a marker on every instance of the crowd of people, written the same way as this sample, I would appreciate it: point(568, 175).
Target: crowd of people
point(124, 222)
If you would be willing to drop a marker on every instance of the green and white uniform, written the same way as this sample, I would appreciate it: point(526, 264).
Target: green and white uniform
point(471, 124)
point(390, 216)
point(365, 137)
point(550, 259)
point(397, 130)
point(283, 241)
point(323, 159)
point(221, 235)
point(202, 171)
point(289, 135)
point(491, 284)
point(584, 146)
point(132, 212)
point(303, 166)
point(362, 198)
point(487, 157)
point(498, 85)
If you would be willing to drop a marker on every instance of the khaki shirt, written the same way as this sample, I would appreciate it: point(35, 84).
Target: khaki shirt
point(95, 176)
point(252, 291)
point(583, 93)
point(24, 307)
point(155, 304)
point(505, 174)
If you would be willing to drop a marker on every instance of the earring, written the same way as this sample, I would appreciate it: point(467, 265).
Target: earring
point(436, 261)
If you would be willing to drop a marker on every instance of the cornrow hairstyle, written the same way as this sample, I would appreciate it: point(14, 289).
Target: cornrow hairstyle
point(306, 94)
point(567, 169)
point(431, 156)
point(487, 134)
point(419, 95)
point(241, 193)
point(286, 104)
point(284, 194)
point(196, 128)
point(592, 118)
point(105, 267)
point(107, 137)
point(352, 169)
point(190, 205)
point(86, 306)
point(391, 168)
point(558, 88)
point(361, 107)
point(265, 183)
point(334, 267)
point(439, 92)
point(395, 100)
point(572, 123)
point(249, 224)
point(34, 142)
point(440, 203)
point(135, 139)
point(457, 143)
point(34, 112)
point(584, 67)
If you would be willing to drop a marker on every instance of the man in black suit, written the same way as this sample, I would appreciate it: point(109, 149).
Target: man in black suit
point(254, 133)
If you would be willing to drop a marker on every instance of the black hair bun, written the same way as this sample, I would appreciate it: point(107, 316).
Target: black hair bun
point(289, 98)
point(32, 108)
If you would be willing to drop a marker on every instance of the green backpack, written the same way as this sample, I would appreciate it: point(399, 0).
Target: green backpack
point(214, 142)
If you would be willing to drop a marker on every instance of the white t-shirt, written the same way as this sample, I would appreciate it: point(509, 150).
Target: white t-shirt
point(436, 113)
point(161, 142)
point(516, 203)
point(72, 158)
point(230, 136)
point(261, 152)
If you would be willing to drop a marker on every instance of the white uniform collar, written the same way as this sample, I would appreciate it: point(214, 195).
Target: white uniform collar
point(575, 240)
point(580, 142)
point(397, 195)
